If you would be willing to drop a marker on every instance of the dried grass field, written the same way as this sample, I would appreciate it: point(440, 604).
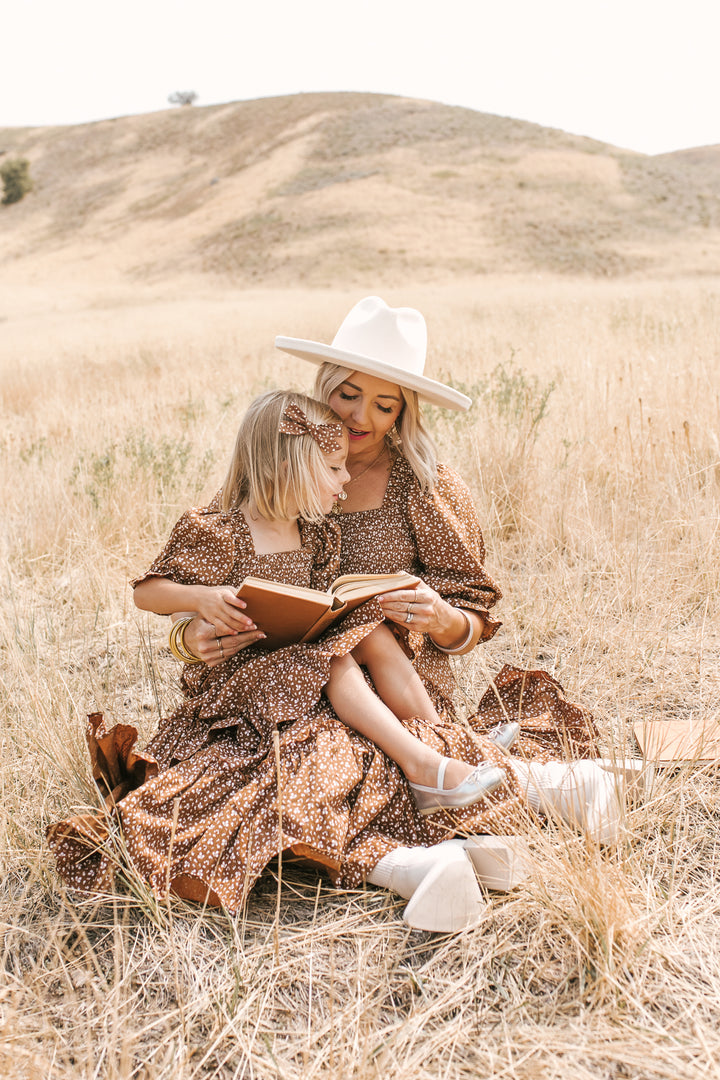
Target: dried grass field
point(592, 451)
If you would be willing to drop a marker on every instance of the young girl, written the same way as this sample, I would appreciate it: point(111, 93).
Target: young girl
point(287, 471)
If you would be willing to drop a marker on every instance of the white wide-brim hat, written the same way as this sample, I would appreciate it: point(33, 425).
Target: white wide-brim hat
point(390, 343)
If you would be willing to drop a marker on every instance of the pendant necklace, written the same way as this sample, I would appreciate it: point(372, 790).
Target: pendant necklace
point(337, 507)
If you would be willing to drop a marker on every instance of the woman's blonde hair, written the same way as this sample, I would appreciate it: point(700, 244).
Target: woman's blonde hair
point(275, 472)
point(411, 439)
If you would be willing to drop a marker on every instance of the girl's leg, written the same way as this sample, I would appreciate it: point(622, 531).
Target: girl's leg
point(401, 688)
point(394, 677)
point(361, 709)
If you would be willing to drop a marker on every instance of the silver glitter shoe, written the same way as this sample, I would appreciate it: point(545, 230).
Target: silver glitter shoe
point(479, 783)
point(504, 735)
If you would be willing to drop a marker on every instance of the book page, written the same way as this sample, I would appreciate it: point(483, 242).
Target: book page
point(279, 588)
point(363, 586)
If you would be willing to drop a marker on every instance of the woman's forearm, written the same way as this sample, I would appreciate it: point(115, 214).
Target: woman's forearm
point(458, 630)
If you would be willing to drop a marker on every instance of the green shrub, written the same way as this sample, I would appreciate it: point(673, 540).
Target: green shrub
point(15, 175)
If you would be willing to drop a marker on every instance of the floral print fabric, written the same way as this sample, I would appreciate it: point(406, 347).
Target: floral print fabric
point(200, 813)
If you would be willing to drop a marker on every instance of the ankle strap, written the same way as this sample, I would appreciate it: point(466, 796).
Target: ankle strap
point(441, 772)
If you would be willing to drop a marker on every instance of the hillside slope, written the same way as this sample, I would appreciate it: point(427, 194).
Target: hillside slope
point(323, 189)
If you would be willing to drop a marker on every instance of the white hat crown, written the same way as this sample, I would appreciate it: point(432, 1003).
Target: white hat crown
point(390, 343)
point(393, 336)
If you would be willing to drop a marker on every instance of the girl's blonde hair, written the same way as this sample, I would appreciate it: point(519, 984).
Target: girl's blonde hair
point(275, 472)
point(411, 439)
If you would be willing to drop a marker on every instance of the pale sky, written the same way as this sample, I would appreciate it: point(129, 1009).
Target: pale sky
point(641, 74)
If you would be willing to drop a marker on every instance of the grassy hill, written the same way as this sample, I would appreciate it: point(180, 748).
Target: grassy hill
point(326, 189)
point(569, 287)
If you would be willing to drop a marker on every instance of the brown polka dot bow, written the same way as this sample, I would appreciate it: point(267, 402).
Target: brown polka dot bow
point(327, 436)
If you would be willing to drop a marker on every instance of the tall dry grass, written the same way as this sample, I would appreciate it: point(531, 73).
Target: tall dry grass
point(592, 452)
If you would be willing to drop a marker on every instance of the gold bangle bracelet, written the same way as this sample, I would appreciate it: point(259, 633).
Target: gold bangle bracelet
point(173, 644)
point(177, 643)
point(182, 654)
point(190, 657)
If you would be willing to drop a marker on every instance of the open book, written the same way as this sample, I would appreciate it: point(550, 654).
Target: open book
point(675, 741)
point(291, 613)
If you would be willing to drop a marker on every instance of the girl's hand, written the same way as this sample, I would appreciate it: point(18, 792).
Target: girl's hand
point(219, 606)
point(201, 639)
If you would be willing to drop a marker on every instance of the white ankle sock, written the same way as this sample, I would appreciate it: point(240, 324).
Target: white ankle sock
point(403, 869)
point(528, 782)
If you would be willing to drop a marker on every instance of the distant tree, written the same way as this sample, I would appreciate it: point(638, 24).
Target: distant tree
point(15, 176)
point(182, 97)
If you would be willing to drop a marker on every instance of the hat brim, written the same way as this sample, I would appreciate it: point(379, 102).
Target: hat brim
point(435, 392)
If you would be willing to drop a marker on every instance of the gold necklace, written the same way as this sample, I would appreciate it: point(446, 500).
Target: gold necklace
point(337, 508)
point(367, 467)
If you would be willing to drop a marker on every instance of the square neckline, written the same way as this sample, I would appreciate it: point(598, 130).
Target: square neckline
point(386, 496)
point(245, 528)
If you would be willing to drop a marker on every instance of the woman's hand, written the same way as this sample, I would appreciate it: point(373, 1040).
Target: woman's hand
point(201, 639)
point(429, 613)
point(425, 612)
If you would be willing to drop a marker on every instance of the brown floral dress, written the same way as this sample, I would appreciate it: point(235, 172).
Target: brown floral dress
point(255, 761)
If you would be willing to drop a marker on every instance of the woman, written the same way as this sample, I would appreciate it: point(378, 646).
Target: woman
point(403, 511)
point(344, 804)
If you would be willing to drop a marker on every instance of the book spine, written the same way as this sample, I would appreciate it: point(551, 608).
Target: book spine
point(332, 615)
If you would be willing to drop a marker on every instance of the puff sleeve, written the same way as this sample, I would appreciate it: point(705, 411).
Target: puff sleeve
point(323, 540)
point(450, 547)
point(200, 551)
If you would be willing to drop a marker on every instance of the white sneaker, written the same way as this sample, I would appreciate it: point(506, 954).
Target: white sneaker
point(580, 793)
point(448, 899)
point(501, 862)
point(635, 776)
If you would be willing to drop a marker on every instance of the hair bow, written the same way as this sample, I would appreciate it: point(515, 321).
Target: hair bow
point(327, 436)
